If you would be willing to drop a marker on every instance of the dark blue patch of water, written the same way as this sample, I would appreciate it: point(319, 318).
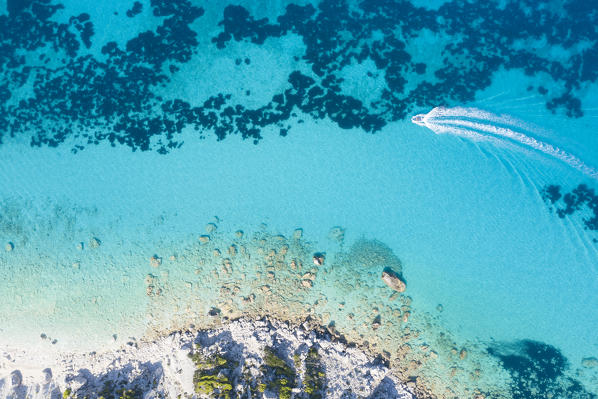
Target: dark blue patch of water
point(115, 99)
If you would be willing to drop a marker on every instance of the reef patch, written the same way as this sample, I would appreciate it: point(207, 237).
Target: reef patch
point(538, 370)
point(582, 199)
point(54, 89)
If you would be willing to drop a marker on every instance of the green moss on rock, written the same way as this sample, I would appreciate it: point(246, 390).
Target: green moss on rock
point(281, 377)
point(214, 386)
point(314, 379)
point(107, 391)
point(129, 394)
point(212, 375)
point(212, 362)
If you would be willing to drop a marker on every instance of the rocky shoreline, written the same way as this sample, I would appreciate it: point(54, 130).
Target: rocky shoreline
point(242, 359)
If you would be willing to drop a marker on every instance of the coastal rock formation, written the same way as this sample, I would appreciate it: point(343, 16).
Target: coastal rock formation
point(258, 359)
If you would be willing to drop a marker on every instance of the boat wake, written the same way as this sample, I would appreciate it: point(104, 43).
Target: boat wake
point(477, 124)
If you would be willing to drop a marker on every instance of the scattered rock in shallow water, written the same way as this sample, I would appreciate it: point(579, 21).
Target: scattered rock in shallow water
point(393, 280)
point(589, 362)
point(309, 276)
point(227, 266)
point(155, 261)
point(463, 354)
point(439, 308)
point(80, 246)
point(149, 279)
point(211, 227)
point(9, 246)
point(214, 312)
point(337, 234)
point(204, 238)
point(239, 234)
point(307, 283)
point(297, 234)
point(232, 250)
point(319, 258)
point(94, 242)
point(377, 322)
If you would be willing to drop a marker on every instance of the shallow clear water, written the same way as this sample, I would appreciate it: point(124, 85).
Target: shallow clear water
point(113, 154)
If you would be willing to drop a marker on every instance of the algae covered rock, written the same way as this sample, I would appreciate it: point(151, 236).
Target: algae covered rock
point(212, 376)
point(314, 378)
point(213, 385)
point(281, 377)
point(393, 280)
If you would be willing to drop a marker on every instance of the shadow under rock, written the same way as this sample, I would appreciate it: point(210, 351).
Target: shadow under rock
point(13, 388)
point(137, 380)
point(225, 343)
point(387, 390)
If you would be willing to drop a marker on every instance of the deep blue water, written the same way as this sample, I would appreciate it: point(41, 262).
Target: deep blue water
point(138, 121)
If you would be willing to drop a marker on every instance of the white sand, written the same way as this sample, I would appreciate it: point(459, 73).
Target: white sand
point(163, 368)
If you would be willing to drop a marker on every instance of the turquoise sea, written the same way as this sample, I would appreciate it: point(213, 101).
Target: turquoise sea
point(163, 161)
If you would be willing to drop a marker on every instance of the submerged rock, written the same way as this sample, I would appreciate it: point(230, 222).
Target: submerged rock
point(94, 242)
point(297, 234)
point(204, 238)
point(319, 258)
point(9, 246)
point(155, 261)
point(377, 322)
point(211, 227)
point(393, 280)
point(589, 362)
point(337, 234)
point(463, 354)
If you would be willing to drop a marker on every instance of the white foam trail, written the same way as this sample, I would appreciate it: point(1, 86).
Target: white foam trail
point(478, 124)
point(493, 97)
